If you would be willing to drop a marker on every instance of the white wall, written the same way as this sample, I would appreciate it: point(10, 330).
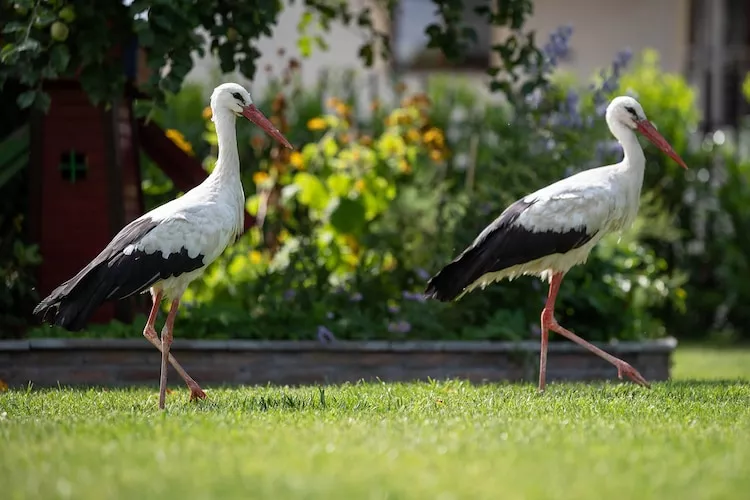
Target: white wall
point(601, 29)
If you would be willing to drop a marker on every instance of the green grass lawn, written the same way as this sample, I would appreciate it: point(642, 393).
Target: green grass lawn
point(683, 439)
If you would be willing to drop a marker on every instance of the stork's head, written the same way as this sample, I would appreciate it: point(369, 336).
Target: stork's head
point(233, 98)
point(624, 110)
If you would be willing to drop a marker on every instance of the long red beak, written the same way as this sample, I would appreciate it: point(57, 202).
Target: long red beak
point(256, 116)
point(646, 128)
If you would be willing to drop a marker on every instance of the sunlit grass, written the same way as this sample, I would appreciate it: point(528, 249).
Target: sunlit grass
point(682, 439)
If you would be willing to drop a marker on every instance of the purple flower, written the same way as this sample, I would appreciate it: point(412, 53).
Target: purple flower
point(289, 295)
point(356, 297)
point(423, 274)
point(557, 46)
point(325, 336)
point(399, 327)
point(329, 315)
point(623, 58)
point(417, 297)
point(393, 309)
point(534, 99)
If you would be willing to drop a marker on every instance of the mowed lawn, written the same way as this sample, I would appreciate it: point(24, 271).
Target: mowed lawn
point(686, 439)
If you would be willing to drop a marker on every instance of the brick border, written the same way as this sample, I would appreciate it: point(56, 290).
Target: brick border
point(122, 362)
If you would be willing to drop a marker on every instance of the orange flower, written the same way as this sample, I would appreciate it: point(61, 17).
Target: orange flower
point(333, 102)
point(207, 113)
point(179, 140)
point(436, 155)
point(359, 185)
point(404, 166)
point(258, 141)
point(365, 140)
point(260, 177)
point(3, 386)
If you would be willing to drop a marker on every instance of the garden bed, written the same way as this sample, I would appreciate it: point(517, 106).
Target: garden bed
point(112, 362)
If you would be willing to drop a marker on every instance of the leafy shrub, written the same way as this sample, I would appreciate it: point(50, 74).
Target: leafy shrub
point(356, 220)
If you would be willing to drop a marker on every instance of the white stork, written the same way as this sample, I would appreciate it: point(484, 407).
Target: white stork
point(548, 232)
point(167, 248)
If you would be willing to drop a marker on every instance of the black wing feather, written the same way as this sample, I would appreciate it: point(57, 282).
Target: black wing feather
point(112, 275)
point(502, 245)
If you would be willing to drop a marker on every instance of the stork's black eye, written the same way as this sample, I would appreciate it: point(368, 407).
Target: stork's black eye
point(631, 110)
point(239, 97)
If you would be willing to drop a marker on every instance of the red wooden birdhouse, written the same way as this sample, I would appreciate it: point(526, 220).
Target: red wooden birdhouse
point(85, 182)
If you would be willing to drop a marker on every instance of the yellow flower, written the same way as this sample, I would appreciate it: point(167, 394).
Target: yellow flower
point(434, 135)
point(283, 236)
point(359, 185)
point(296, 160)
point(412, 135)
point(207, 113)
point(316, 124)
point(436, 155)
point(179, 140)
point(260, 177)
point(404, 166)
point(256, 257)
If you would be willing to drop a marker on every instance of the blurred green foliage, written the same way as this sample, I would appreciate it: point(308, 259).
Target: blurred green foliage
point(378, 199)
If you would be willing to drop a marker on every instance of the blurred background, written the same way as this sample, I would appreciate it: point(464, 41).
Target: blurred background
point(416, 122)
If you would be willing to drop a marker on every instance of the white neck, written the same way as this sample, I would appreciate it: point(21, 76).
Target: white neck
point(227, 167)
point(634, 160)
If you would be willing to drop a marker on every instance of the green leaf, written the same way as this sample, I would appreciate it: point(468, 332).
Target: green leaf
point(13, 27)
point(26, 99)
point(6, 51)
point(365, 53)
point(305, 46)
point(45, 18)
point(339, 184)
point(348, 216)
point(312, 192)
point(59, 57)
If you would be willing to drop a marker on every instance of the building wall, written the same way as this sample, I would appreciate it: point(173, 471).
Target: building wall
point(601, 29)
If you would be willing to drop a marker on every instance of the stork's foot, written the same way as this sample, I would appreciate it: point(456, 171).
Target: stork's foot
point(624, 368)
point(196, 392)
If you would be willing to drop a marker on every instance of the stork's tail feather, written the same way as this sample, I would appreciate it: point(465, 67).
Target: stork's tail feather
point(72, 304)
point(451, 281)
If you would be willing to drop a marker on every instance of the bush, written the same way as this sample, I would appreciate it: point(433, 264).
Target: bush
point(375, 201)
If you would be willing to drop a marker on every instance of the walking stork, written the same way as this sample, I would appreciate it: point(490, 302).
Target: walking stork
point(167, 248)
point(548, 232)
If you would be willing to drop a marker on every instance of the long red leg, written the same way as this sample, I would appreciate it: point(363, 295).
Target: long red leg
point(166, 342)
point(150, 333)
point(549, 323)
point(549, 310)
